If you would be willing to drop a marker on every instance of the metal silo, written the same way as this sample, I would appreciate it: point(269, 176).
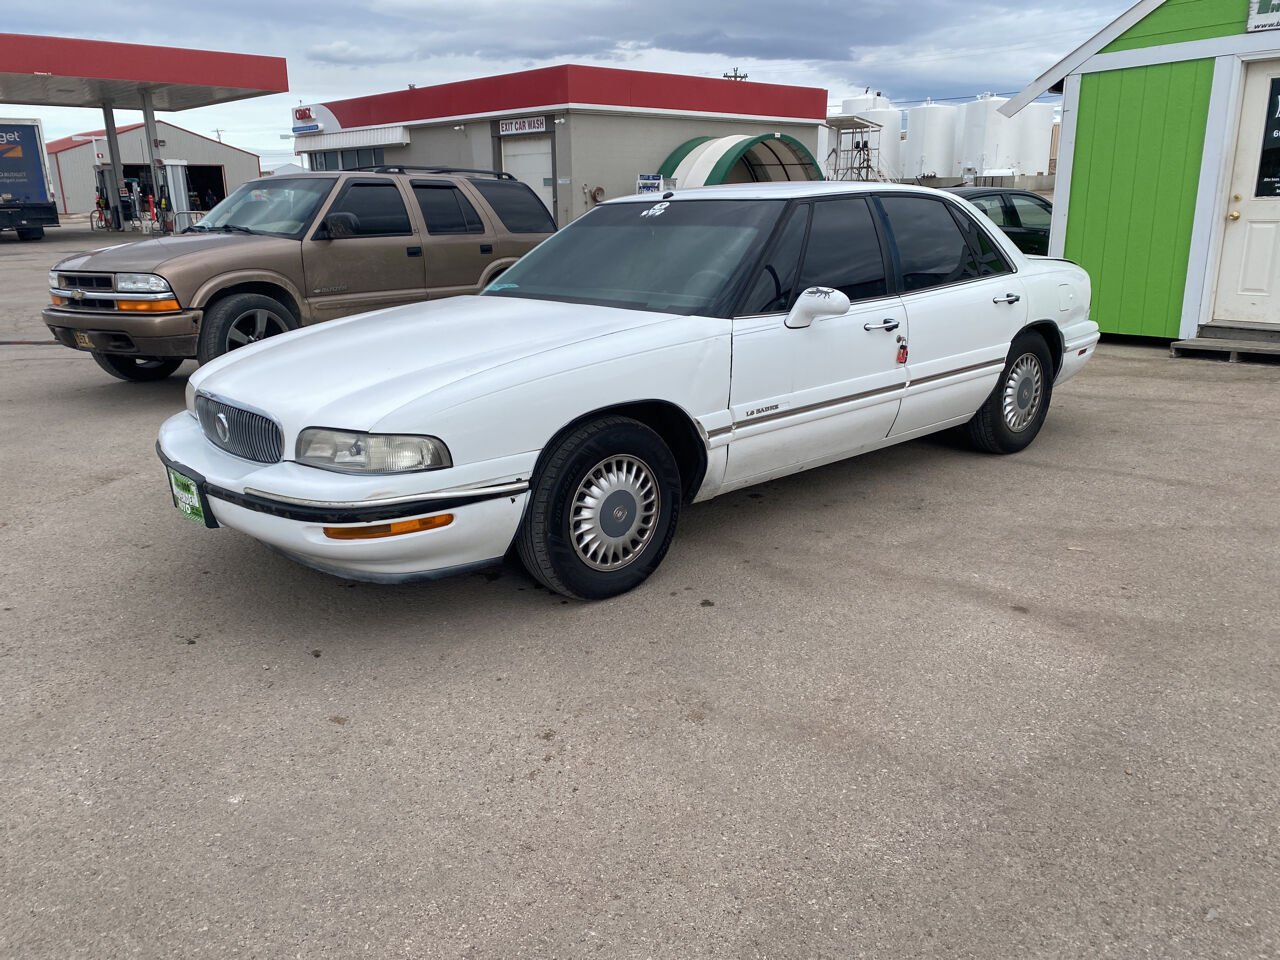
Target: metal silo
point(931, 141)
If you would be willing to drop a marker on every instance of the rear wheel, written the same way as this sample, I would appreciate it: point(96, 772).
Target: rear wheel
point(602, 511)
point(1014, 413)
point(30, 233)
point(240, 319)
point(137, 369)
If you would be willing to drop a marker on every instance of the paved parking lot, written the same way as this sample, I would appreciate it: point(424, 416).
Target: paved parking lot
point(925, 703)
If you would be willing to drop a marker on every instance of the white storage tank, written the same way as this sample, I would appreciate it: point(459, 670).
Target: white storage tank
point(1034, 125)
point(889, 160)
point(857, 106)
point(986, 138)
point(930, 149)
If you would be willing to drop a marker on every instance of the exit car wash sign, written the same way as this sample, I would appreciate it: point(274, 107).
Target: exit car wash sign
point(1264, 15)
point(522, 125)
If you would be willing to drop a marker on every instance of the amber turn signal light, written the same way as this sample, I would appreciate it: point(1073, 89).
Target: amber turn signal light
point(389, 529)
point(58, 301)
point(147, 306)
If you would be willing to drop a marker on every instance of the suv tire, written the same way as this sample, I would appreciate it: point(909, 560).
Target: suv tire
point(240, 319)
point(137, 369)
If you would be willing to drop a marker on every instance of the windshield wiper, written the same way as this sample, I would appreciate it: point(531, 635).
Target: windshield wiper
point(236, 228)
point(195, 227)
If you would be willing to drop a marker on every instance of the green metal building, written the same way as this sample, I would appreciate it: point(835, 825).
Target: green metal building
point(1168, 187)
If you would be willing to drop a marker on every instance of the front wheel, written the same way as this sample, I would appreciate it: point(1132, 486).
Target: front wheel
point(30, 233)
point(602, 510)
point(239, 320)
point(1014, 413)
point(137, 369)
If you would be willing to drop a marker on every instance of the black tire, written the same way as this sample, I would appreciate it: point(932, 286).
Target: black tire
point(630, 547)
point(239, 319)
point(137, 369)
point(1011, 417)
point(30, 233)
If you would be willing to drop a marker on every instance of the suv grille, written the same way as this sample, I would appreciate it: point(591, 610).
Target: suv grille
point(85, 281)
point(240, 432)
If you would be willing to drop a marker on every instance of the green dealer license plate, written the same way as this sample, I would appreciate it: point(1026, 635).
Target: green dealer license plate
point(187, 498)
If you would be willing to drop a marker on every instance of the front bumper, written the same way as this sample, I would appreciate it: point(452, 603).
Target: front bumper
point(155, 335)
point(485, 519)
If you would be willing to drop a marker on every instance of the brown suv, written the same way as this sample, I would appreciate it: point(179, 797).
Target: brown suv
point(282, 252)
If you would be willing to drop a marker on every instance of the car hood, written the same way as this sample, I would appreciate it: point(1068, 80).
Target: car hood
point(148, 255)
point(350, 373)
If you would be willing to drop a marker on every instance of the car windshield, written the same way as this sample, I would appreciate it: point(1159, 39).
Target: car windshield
point(281, 208)
point(679, 257)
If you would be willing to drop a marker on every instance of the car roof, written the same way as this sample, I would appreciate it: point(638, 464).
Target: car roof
point(987, 191)
point(775, 191)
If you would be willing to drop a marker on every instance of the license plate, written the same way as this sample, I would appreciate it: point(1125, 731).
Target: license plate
point(82, 340)
point(187, 498)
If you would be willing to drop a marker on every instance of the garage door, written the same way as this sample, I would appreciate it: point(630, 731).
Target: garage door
point(528, 159)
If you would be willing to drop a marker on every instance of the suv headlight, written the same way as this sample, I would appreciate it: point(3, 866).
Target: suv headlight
point(141, 283)
point(53, 279)
point(351, 452)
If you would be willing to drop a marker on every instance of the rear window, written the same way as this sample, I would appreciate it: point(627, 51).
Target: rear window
point(446, 210)
point(516, 205)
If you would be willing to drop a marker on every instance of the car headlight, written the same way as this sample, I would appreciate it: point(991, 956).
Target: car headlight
point(351, 452)
point(141, 283)
point(53, 279)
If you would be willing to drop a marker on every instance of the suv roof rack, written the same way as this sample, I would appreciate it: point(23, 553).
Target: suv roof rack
point(407, 168)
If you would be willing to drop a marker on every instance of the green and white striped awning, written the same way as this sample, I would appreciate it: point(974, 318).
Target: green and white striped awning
point(740, 159)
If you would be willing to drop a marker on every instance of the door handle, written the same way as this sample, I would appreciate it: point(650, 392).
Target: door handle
point(486, 248)
point(1234, 215)
point(1007, 298)
point(413, 251)
point(886, 325)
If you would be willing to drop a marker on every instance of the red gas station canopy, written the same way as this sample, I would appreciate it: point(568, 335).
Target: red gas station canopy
point(65, 72)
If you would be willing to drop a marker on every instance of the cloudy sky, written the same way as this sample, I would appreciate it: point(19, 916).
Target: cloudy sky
point(909, 49)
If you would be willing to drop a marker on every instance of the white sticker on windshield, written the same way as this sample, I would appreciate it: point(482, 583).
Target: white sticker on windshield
point(657, 210)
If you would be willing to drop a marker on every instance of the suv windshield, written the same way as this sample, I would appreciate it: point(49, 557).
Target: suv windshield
point(678, 257)
point(281, 208)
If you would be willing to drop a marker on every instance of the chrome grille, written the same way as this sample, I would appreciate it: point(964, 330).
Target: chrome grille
point(249, 435)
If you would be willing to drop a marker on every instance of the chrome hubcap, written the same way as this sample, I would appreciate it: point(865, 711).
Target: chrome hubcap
point(614, 513)
point(253, 326)
point(1023, 392)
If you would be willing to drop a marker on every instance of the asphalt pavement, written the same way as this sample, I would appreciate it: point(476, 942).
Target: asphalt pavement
point(924, 703)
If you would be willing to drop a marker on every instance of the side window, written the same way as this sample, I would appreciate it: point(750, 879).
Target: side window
point(992, 207)
point(989, 258)
point(844, 250)
point(446, 210)
point(774, 289)
point(516, 205)
point(376, 209)
point(1034, 214)
point(932, 250)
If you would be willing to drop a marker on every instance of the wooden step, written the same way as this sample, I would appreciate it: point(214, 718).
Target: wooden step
point(1233, 330)
point(1233, 351)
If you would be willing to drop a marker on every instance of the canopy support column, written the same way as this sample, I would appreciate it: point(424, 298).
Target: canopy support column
point(117, 168)
point(152, 139)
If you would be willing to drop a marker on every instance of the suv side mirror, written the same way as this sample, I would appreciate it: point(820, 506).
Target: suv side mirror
point(815, 303)
point(338, 226)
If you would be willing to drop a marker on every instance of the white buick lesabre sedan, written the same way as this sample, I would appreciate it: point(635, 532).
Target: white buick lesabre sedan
point(656, 352)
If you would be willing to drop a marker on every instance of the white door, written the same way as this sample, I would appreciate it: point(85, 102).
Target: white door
point(964, 304)
point(803, 397)
point(528, 159)
point(1249, 273)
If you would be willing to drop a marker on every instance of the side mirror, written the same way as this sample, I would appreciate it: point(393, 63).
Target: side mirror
point(816, 303)
point(338, 226)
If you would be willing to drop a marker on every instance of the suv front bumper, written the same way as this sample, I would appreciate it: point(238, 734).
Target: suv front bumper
point(142, 335)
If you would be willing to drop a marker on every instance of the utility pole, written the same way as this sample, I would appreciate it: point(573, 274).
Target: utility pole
point(218, 131)
point(735, 75)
